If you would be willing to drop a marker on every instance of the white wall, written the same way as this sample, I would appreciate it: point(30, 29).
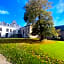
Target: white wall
point(3, 32)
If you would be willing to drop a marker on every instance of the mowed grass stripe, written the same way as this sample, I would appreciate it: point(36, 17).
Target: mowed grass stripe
point(55, 50)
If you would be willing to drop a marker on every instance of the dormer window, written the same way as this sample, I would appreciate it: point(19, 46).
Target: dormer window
point(8, 24)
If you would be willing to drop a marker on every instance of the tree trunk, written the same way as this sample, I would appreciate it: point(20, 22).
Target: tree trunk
point(42, 37)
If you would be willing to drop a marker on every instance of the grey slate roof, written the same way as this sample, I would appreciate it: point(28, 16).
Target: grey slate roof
point(60, 27)
point(13, 24)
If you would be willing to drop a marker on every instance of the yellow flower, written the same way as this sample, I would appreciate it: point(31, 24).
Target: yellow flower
point(38, 56)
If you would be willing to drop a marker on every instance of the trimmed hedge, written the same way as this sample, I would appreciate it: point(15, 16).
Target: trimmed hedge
point(17, 40)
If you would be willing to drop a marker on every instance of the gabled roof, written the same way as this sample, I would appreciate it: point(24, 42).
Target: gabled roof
point(13, 24)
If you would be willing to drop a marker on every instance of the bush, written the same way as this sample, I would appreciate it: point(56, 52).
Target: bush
point(17, 40)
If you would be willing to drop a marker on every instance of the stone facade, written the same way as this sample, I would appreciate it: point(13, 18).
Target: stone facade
point(26, 32)
point(14, 30)
point(6, 30)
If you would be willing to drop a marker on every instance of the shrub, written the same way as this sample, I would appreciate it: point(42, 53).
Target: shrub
point(17, 40)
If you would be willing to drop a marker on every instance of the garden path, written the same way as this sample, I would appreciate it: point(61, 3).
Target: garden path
point(3, 60)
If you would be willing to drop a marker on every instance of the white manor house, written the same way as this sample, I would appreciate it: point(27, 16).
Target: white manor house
point(13, 30)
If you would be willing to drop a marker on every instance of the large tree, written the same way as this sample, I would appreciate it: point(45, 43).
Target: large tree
point(38, 9)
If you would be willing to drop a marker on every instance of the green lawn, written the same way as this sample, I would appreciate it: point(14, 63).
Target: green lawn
point(25, 53)
point(54, 50)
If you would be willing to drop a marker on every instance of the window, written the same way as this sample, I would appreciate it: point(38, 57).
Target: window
point(7, 24)
point(0, 29)
point(28, 29)
point(7, 30)
point(19, 31)
point(10, 30)
point(0, 34)
point(14, 31)
point(6, 35)
point(23, 32)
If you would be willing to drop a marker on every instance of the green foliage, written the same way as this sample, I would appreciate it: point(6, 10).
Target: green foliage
point(44, 25)
point(54, 50)
point(46, 29)
point(34, 8)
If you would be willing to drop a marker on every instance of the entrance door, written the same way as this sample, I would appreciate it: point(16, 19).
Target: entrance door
point(6, 35)
point(0, 35)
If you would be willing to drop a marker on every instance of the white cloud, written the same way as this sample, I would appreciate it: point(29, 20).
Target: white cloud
point(25, 24)
point(4, 12)
point(57, 18)
point(60, 6)
point(60, 22)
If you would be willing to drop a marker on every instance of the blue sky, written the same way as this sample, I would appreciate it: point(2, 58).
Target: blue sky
point(13, 10)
